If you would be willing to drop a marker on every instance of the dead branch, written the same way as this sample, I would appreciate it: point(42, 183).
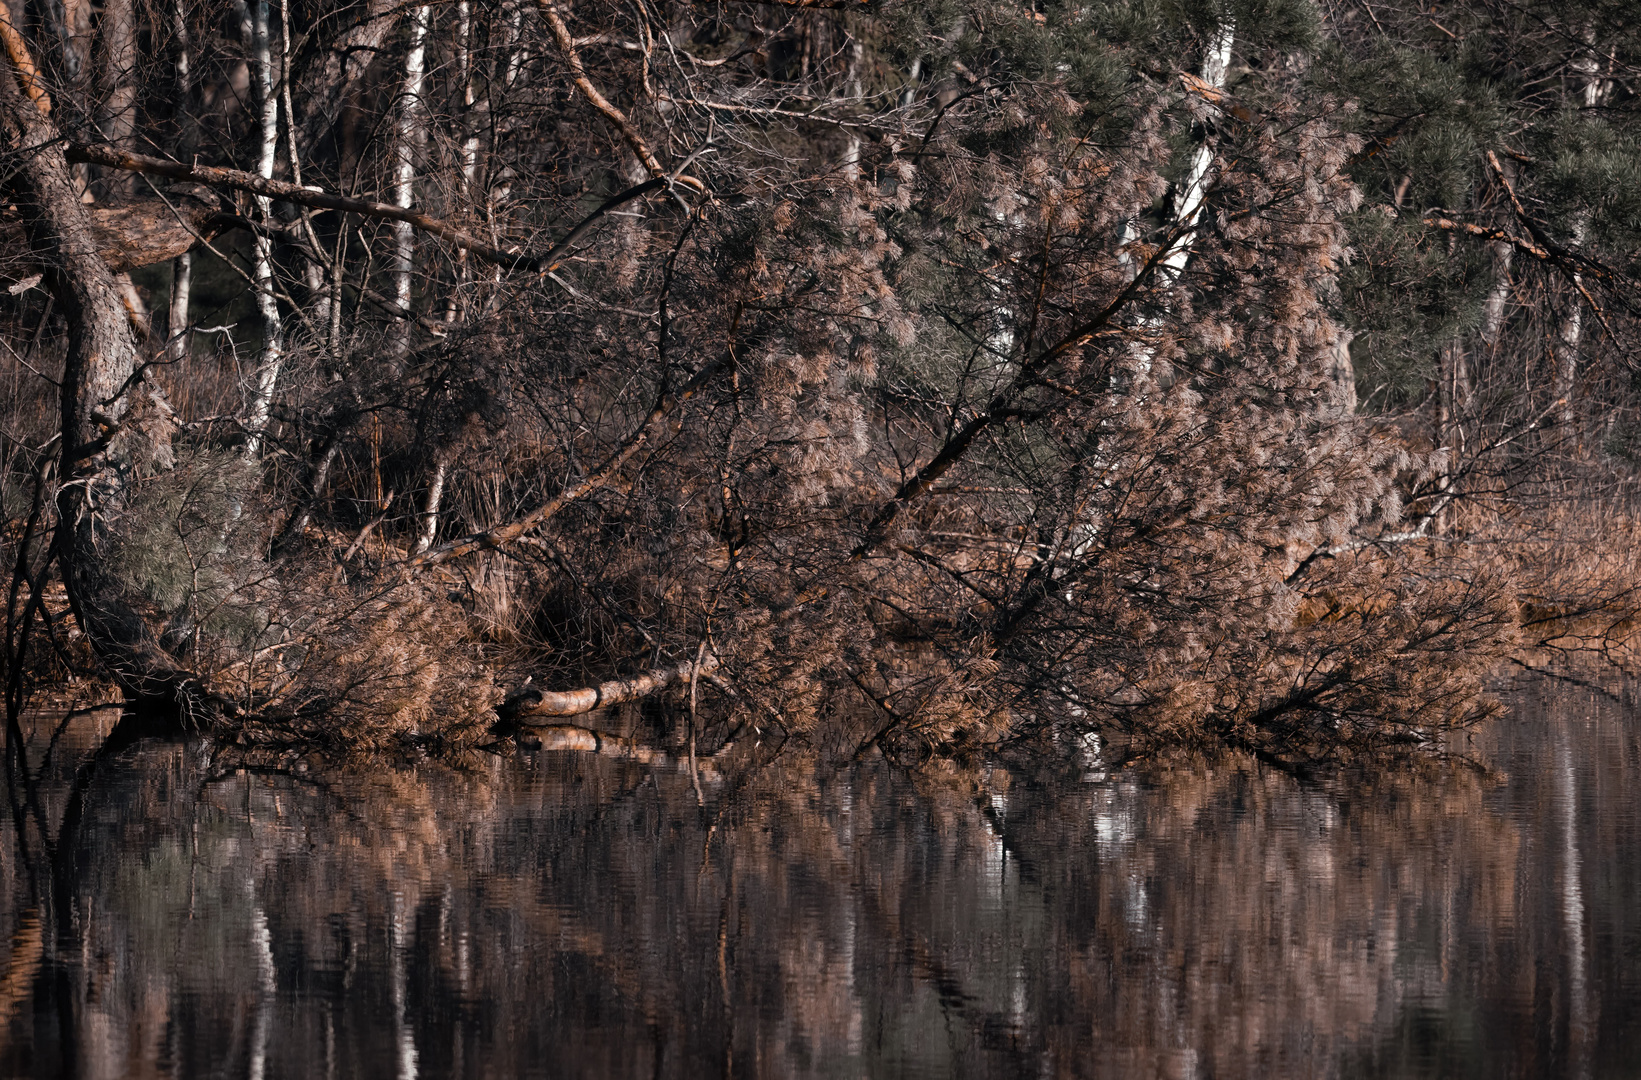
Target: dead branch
point(1525, 246)
point(578, 75)
point(503, 534)
point(534, 702)
point(110, 157)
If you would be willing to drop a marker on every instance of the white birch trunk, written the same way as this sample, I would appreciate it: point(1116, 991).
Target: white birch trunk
point(1571, 332)
point(1495, 311)
point(407, 138)
point(469, 147)
point(1568, 337)
point(1189, 204)
point(182, 267)
point(254, 22)
point(176, 323)
point(1192, 197)
point(1194, 193)
point(851, 153)
point(313, 272)
point(435, 497)
point(517, 57)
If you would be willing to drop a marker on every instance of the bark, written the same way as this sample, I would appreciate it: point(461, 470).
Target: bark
point(1494, 311)
point(435, 497)
point(254, 19)
point(532, 702)
point(117, 112)
point(1343, 374)
point(1571, 332)
point(328, 86)
point(313, 270)
point(454, 307)
point(105, 434)
point(176, 324)
point(22, 63)
point(318, 479)
point(182, 267)
point(1453, 402)
point(407, 141)
point(1192, 195)
point(1002, 406)
point(1568, 337)
point(69, 22)
point(140, 233)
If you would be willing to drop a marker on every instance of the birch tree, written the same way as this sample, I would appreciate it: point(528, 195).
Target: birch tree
point(254, 16)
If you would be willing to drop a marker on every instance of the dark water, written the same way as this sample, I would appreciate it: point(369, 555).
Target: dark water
point(566, 914)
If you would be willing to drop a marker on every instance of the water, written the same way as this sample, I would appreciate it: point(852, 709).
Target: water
point(567, 914)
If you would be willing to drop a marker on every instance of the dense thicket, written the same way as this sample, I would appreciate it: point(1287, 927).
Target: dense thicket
point(911, 374)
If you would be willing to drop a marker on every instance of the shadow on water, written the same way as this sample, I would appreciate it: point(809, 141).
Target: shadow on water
point(563, 913)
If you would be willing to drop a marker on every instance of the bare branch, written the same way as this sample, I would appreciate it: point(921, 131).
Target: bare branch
point(503, 534)
point(567, 44)
point(236, 179)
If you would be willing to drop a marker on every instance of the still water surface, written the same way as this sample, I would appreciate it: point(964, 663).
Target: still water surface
point(566, 914)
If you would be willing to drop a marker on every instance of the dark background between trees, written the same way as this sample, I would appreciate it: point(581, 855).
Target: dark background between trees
point(918, 375)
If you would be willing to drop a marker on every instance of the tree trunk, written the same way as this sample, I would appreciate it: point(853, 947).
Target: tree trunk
point(326, 88)
point(407, 140)
point(176, 326)
point(435, 498)
point(1191, 196)
point(182, 267)
point(113, 424)
point(117, 112)
point(1494, 313)
point(254, 21)
point(1571, 332)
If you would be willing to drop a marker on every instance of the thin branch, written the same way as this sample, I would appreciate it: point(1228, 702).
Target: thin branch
point(651, 425)
point(578, 75)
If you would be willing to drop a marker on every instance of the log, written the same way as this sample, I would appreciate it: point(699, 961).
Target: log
point(532, 702)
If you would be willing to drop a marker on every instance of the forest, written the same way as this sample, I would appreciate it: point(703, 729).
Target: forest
point(920, 377)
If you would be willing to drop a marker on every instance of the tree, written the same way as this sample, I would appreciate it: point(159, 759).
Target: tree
point(911, 375)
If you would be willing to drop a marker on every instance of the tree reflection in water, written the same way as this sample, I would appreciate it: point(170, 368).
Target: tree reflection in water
point(568, 914)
